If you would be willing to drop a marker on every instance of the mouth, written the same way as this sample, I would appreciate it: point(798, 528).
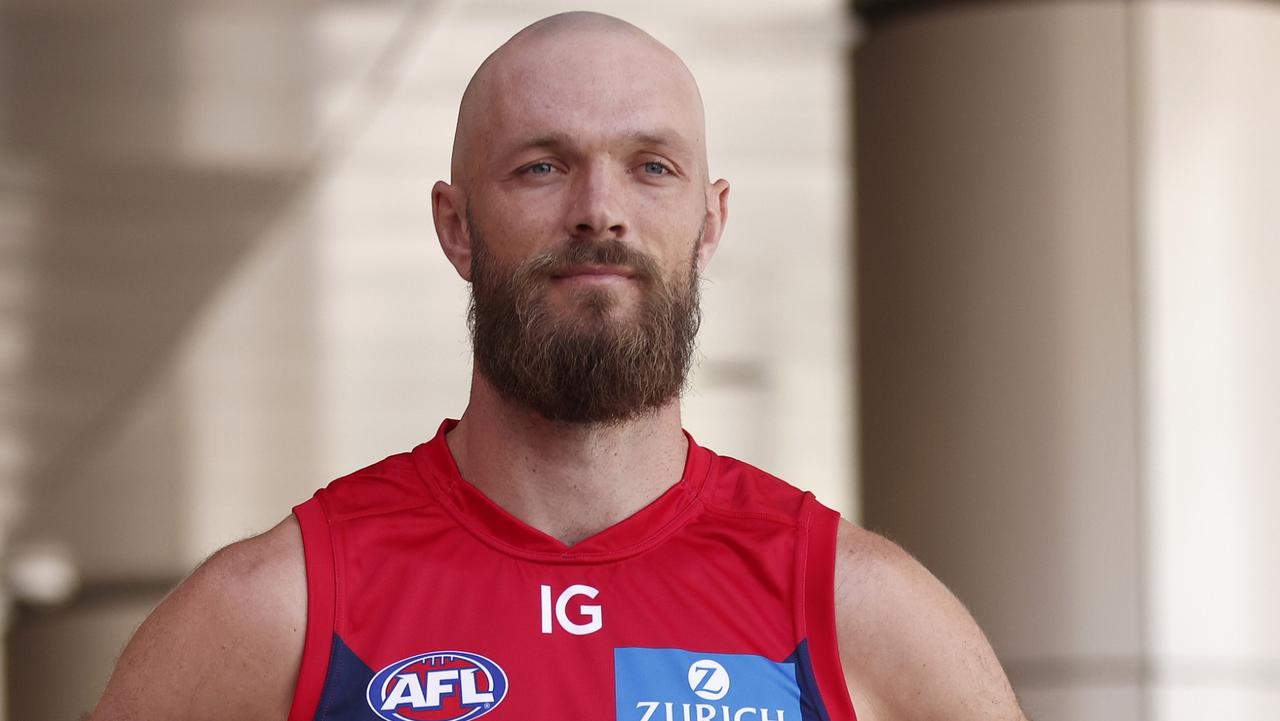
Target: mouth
point(594, 274)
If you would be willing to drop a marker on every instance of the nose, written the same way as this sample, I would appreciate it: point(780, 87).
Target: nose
point(596, 208)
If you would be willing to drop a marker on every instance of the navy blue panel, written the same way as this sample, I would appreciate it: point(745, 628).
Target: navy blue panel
point(347, 681)
point(811, 706)
point(343, 698)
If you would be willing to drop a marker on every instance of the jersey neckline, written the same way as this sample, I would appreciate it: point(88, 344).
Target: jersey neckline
point(494, 525)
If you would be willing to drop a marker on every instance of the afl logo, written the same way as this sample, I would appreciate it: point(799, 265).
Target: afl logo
point(438, 686)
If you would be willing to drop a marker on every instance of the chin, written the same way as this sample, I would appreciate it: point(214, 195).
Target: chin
point(597, 303)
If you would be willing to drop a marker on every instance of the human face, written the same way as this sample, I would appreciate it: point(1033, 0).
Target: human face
point(574, 151)
point(581, 207)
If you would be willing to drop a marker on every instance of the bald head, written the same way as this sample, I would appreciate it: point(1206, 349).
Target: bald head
point(576, 72)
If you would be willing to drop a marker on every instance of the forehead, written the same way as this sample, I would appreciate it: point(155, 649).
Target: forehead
point(592, 90)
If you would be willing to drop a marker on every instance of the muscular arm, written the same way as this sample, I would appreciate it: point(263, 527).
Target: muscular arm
point(225, 644)
point(909, 649)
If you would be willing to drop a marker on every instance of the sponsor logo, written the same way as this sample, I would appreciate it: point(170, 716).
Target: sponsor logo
point(592, 611)
point(708, 679)
point(657, 711)
point(671, 684)
point(437, 686)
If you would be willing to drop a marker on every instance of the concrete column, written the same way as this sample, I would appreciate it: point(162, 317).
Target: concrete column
point(1067, 289)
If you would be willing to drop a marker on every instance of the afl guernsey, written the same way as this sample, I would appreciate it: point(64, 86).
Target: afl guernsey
point(429, 602)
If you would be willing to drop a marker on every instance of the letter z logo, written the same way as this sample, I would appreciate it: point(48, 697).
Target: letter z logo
point(708, 679)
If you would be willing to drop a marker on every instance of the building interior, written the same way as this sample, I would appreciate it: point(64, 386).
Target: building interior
point(1001, 283)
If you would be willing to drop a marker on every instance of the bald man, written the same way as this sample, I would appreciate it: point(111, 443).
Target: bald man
point(565, 549)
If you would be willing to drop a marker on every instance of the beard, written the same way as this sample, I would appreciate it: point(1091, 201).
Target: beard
point(582, 365)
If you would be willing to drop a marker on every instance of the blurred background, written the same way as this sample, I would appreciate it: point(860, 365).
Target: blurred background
point(1001, 281)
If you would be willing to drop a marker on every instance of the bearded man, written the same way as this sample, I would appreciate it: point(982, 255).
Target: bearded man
point(565, 550)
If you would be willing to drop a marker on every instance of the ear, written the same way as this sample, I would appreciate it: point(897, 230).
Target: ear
point(717, 216)
point(449, 213)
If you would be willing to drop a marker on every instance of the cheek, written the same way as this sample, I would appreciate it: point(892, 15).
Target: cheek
point(518, 229)
point(670, 231)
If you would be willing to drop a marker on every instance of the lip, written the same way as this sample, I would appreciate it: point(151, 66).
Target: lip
point(595, 272)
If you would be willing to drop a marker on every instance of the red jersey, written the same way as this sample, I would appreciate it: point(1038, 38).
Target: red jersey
point(429, 602)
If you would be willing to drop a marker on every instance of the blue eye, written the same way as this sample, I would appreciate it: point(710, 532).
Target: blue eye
point(539, 169)
point(653, 167)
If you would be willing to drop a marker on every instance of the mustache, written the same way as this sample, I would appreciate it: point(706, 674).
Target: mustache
point(592, 252)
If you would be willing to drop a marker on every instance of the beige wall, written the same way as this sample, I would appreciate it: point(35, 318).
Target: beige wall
point(1209, 146)
point(1068, 283)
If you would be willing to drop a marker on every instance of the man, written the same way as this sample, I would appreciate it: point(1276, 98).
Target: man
point(565, 550)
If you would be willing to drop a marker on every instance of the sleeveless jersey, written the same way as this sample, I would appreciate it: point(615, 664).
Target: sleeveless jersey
point(429, 602)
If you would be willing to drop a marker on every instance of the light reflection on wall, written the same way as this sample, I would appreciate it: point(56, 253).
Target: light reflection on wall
point(1212, 161)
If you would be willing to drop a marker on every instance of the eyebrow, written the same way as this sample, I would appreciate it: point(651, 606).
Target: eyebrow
point(664, 136)
point(661, 137)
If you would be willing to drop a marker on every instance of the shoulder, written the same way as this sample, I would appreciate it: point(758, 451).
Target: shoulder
point(909, 648)
point(391, 483)
point(738, 486)
point(226, 643)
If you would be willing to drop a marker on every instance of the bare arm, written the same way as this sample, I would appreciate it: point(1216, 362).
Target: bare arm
point(909, 648)
point(225, 644)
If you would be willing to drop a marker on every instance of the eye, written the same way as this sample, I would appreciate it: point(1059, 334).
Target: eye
point(654, 167)
point(539, 168)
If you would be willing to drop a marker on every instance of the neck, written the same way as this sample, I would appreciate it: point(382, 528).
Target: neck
point(567, 480)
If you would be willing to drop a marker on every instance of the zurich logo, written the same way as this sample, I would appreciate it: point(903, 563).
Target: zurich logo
point(438, 686)
point(708, 679)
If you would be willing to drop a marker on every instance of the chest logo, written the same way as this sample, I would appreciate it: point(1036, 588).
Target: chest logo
point(708, 679)
point(438, 686)
point(590, 611)
point(672, 684)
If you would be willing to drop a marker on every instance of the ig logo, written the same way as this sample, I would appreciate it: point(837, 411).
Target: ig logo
point(591, 611)
point(708, 679)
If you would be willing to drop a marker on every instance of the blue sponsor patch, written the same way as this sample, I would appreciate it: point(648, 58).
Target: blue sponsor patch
point(671, 684)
